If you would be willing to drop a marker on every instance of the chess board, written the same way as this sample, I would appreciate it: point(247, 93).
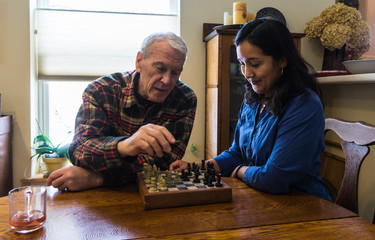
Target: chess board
point(182, 193)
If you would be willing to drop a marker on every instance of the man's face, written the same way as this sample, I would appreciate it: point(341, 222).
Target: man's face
point(160, 71)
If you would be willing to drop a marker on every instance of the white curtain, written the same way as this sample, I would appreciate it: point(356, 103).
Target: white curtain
point(78, 43)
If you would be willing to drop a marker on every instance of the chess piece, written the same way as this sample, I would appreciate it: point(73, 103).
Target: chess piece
point(153, 187)
point(177, 176)
point(168, 178)
point(209, 182)
point(189, 169)
point(184, 175)
point(218, 180)
point(161, 184)
point(196, 177)
point(203, 167)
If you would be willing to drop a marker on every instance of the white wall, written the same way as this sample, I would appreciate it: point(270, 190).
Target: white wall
point(15, 78)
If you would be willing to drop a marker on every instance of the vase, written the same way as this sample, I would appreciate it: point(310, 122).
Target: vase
point(53, 164)
point(332, 60)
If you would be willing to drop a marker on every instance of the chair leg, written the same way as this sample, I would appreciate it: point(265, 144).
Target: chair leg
point(373, 220)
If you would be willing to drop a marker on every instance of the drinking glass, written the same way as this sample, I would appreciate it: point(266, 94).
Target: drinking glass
point(27, 208)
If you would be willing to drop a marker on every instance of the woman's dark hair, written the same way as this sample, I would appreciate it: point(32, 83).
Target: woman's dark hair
point(275, 40)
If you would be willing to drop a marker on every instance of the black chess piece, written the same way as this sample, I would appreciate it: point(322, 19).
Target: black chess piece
point(196, 177)
point(209, 182)
point(189, 169)
point(203, 167)
point(197, 170)
point(184, 175)
point(205, 179)
point(218, 180)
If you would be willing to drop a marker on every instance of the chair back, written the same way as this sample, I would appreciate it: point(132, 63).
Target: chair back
point(356, 138)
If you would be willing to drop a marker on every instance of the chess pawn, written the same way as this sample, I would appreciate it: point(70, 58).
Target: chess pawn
point(153, 187)
point(148, 180)
point(196, 177)
point(177, 176)
point(203, 167)
point(189, 169)
point(218, 180)
point(168, 178)
point(161, 184)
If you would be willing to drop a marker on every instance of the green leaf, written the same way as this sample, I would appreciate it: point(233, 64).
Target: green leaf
point(63, 151)
point(44, 140)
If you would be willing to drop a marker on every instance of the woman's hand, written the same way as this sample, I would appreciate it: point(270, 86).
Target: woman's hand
point(178, 165)
point(239, 172)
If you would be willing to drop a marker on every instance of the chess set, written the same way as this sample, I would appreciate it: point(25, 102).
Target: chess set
point(194, 186)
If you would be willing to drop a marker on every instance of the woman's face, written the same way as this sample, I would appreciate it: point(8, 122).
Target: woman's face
point(260, 70)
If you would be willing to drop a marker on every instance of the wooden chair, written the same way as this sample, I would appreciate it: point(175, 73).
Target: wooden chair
point(356, 139)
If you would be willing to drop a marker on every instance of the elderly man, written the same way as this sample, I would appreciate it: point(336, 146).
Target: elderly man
point(130, 118)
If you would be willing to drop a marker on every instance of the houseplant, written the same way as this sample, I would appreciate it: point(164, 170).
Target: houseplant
point(340, 27)
point(53, 157)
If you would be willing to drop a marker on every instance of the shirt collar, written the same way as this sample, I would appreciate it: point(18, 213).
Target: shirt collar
point(134, 98)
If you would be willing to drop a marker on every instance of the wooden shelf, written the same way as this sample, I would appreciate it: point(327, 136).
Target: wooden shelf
point(348, 79)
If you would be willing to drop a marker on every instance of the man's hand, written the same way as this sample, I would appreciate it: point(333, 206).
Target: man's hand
point(74, 178)
point(151, 139)
point(178, 165)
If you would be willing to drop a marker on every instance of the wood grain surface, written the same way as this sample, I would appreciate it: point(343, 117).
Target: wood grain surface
point(118, 213)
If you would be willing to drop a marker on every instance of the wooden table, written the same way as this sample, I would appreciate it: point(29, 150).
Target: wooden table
point(118, 213)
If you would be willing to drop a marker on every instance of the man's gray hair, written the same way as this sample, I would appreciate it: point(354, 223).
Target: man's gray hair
point(174, 41)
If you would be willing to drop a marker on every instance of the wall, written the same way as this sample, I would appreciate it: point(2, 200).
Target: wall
point(15, 78)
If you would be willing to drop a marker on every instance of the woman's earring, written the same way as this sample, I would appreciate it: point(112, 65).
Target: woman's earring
point(282, 71)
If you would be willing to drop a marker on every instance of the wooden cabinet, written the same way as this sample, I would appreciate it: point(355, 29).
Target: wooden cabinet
point(6, 179)
point(224, 88)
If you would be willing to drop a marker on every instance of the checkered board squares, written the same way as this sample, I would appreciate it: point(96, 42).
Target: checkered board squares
point(183, 193)
point(183, 185)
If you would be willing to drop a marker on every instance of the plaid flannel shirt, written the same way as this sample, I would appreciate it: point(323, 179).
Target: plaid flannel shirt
point(111, 112)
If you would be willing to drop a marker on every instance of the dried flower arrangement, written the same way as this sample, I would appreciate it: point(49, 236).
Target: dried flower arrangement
point(338, 25)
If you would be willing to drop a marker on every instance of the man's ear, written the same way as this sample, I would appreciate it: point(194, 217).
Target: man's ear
point(138, 61)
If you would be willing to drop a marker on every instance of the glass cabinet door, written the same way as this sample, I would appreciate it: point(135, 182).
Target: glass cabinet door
point(237, 91)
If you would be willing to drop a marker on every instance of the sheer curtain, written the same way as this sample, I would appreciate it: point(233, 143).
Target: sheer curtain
point(99, 37)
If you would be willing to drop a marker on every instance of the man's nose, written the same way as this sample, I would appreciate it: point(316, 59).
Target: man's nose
point(167, 78)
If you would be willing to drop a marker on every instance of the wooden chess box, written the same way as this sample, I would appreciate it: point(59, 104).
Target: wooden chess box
point(178, 196)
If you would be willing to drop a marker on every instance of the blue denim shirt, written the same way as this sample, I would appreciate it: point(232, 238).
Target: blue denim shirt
point(282, 151)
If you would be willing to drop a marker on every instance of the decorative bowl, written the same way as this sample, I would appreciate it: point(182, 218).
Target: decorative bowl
point(360, 66)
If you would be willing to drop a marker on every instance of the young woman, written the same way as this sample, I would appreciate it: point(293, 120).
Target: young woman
point(280, 131)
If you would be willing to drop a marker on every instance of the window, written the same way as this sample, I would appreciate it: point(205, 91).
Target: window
point(78, 41)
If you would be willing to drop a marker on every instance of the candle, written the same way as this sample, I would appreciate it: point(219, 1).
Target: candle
point(250, 16)
point(228, 19)
point(239, 13)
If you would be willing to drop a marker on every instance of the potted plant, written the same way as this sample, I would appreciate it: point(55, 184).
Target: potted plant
point(53, 157)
